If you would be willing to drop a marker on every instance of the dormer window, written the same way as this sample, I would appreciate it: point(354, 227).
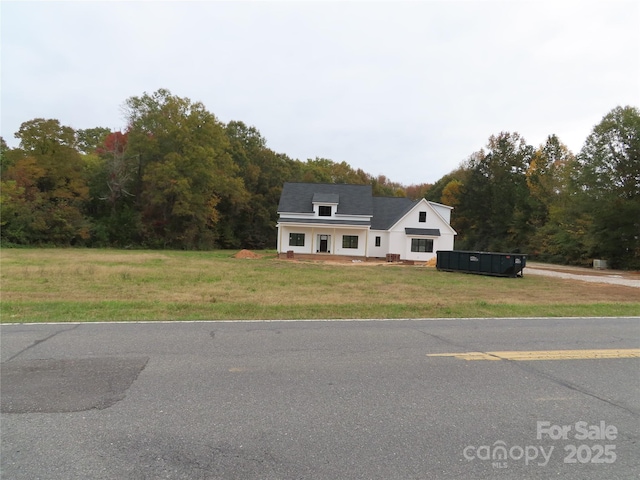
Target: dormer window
point(323, 204)
point(324, 210)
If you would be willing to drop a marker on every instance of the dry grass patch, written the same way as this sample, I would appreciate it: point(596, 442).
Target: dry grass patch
point(109, 284)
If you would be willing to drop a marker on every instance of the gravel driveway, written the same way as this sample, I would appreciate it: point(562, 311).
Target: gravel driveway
point(615, 277)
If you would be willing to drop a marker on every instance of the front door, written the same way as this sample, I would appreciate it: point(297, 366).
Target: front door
point(324, 243)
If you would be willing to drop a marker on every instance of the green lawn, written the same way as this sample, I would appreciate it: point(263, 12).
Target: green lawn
point(58, 285)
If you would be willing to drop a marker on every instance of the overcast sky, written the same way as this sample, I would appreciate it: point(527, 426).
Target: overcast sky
point(403, 89)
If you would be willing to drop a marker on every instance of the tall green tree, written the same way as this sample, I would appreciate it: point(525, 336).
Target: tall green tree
point(555, 223)
point(609, 184)
point(90, 139)
point(8, 156)
point(184, 169)
point(494, 196)
point(46, 137)
point(252, 224)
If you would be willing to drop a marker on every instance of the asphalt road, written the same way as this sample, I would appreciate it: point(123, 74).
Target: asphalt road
point(321, 400)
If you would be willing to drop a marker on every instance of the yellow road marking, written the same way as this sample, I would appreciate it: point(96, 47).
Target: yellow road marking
point(544, 355)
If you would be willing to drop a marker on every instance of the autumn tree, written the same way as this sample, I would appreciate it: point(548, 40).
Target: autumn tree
point(555, 224)
point(113, 205)
point(119, 169)
point(46, 187)
point(22, 206)
point(416, 192)
point(184, 169)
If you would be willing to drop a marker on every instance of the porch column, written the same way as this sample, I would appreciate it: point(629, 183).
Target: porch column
point(279, 240)
point(366, 243)
point(333, 242)
point(313, 236)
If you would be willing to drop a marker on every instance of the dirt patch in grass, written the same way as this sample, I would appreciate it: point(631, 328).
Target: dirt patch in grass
point(246, 254)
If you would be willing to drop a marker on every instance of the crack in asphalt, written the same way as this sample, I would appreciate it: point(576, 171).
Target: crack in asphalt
point(532, 370)
point(572, 386)
point(38, 342)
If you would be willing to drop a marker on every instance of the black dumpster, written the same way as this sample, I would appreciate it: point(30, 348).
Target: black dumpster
point(482, 263)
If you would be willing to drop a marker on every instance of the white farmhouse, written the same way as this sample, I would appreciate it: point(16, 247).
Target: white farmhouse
point(347, 220)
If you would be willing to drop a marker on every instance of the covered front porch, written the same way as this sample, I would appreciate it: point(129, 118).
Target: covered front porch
point(323, 240)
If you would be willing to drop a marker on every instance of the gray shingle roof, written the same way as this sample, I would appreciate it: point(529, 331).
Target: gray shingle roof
point(353, 199)
point(325, 198)
point(388, 210)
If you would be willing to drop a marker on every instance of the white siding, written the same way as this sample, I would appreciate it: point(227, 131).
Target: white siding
point(383, 249)
point(443, 210)
point(362, 242)
point(396, 243)
point(283, 239)
point(400, 242)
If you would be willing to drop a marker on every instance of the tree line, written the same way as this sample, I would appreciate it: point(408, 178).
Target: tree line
point(176, 178)
point(179, 178)
point(548, 202)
